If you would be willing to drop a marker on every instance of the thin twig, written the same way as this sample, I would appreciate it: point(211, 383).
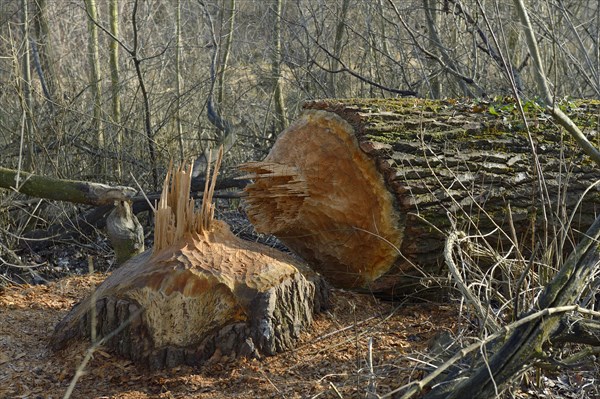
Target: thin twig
point(542, 83)
point(452, 240)
point(143, 192)
point(371, 387)
point(338, 394)
point(90, 352)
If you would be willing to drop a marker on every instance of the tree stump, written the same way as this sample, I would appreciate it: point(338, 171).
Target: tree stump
point(200, 293)
point(125, 232)
point(366, 190)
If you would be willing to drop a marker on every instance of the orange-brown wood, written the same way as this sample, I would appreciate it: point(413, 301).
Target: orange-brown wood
point(320, 194)
point(199, 291)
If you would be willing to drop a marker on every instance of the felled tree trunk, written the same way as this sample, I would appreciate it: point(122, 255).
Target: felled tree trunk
point(365, 190)
point(201, 293)
point(81, 192)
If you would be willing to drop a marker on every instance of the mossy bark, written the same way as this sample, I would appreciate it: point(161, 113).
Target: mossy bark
point(80, 192)
point(474, 164)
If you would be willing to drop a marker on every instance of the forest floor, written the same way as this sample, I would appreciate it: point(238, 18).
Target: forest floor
point(331, 360)
point(332, 356)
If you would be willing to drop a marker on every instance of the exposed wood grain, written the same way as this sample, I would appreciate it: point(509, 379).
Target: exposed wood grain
point(201, 293)
point(442, 162)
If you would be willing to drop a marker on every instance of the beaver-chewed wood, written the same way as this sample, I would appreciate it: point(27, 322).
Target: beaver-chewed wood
point(125, 232)
point(201, 293)
point(366, 190)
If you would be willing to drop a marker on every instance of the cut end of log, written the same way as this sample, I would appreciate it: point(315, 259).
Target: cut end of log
point(199, 292)
point(320, 194)
point(276, 196)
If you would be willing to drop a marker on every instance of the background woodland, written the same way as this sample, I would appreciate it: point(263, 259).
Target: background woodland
point(119, 88)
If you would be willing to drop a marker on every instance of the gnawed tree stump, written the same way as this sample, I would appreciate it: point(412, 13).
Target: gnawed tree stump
point(200, 293)
point(125, 232)
point(363, 189)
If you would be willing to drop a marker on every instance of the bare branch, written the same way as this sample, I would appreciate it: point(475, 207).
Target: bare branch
point(542, 83)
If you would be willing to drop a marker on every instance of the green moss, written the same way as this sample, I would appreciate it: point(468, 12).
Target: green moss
point(458, 119)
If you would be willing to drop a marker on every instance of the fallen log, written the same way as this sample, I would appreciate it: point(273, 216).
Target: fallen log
point(96, 218)
point(366, 190)
point(80, 192)
point(200, 293)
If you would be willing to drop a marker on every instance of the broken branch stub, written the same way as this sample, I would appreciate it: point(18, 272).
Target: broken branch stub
point(125, 232)
point(200, 293)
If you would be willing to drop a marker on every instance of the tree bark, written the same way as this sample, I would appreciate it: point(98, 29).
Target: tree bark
point(200, 294)
point(578, 330)
point(280, 120)
point(42, 40)
point(338, 45)
point(432, 18)
point(365, 190)
point(231, 15)
point(95, 84)
point(26, 98)
point(125, 232)
point(80, 192)
point(115, 86)
point(178, 80)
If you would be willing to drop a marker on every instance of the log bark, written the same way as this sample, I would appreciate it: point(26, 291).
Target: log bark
point(200, 294)
point(365, 190)
point(125, 232)
point(81, 192)
point(579, 331)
